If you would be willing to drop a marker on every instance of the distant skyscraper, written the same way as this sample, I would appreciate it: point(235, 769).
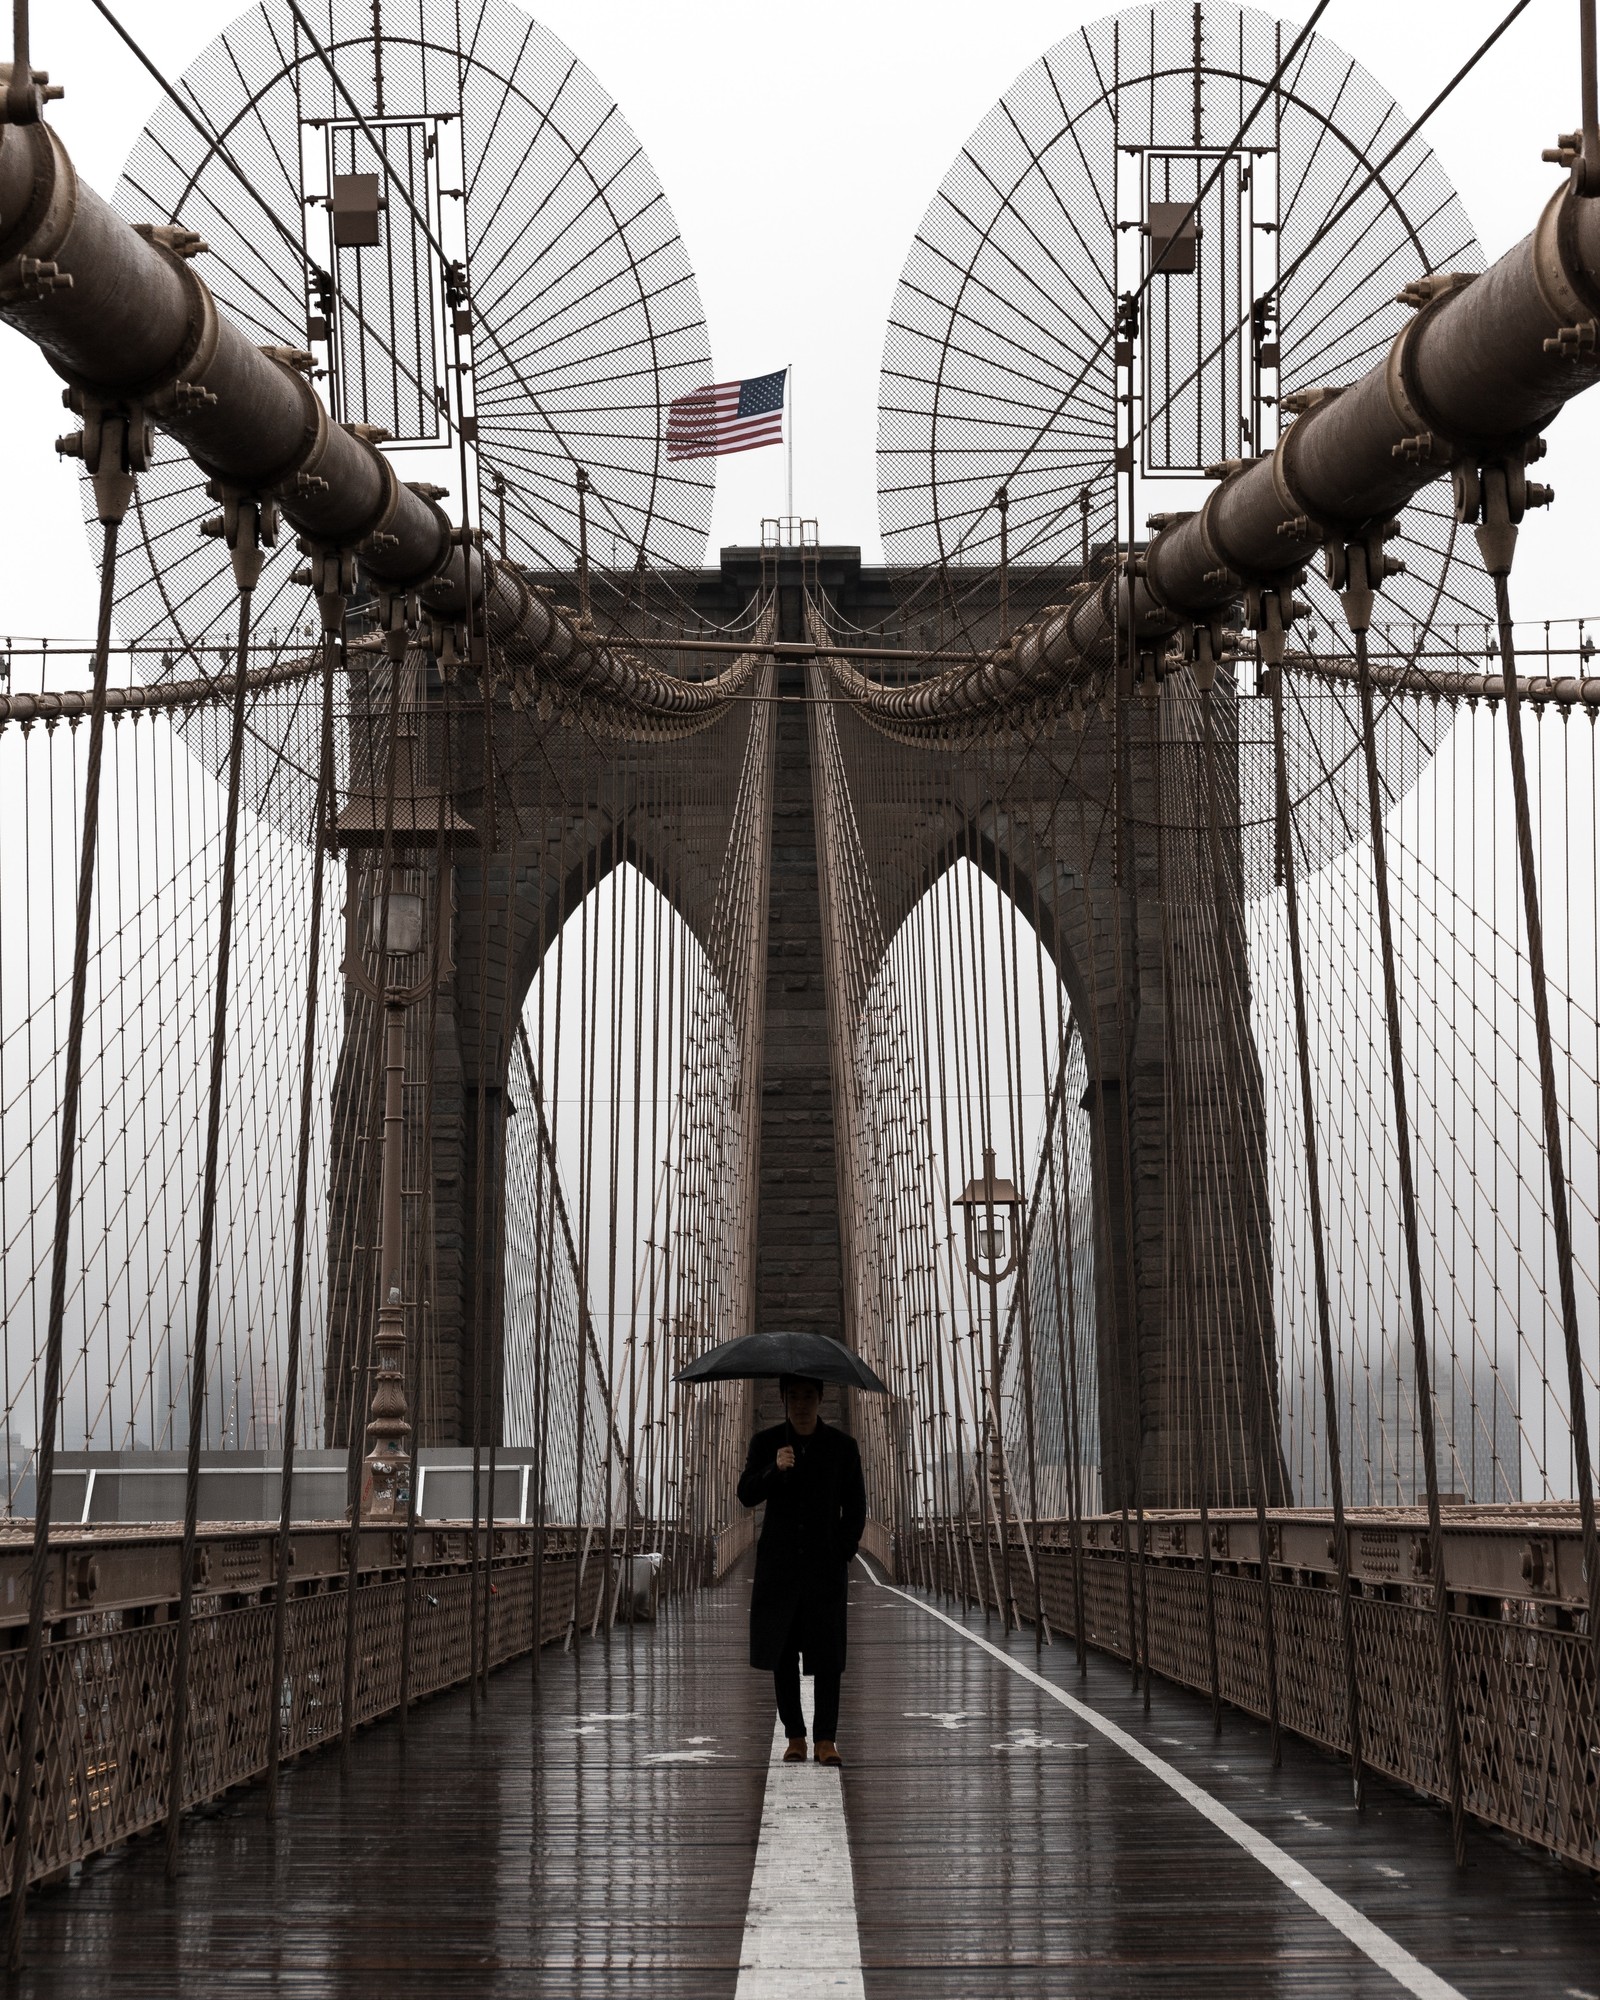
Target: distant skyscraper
point(1476, 1430)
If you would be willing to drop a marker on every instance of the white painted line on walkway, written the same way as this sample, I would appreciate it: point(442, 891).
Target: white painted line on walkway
point(1362, 1932)
point(800, 1935)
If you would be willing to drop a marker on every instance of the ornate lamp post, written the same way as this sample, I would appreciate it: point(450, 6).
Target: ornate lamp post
point(394, 931)
point(396, 814)
point(990, 1209)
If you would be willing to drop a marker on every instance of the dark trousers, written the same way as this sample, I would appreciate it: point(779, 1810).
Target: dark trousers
point(786, 1679)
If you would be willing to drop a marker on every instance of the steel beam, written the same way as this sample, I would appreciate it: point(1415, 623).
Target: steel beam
point(121, 313)
point(1484, 366)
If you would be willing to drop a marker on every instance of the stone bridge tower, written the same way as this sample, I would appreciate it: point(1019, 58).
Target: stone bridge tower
point(1101, 925)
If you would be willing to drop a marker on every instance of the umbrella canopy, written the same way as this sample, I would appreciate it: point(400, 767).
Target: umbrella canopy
point(757, 1354)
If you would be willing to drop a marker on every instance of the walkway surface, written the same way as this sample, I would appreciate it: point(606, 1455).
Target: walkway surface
point(622, 1828)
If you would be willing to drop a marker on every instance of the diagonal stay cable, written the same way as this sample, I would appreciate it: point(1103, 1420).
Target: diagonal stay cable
point(203, 127)
point(1401, 143)
point(1332, 221)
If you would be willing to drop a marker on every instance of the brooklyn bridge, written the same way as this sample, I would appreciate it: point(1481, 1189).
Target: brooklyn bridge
point(1126, 964)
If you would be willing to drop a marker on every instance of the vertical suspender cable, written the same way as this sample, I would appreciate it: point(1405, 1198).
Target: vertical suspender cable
point(952, 1567)
point(971, 1584)
point(50, 1403)
point(1180, 1176)
point(987, 1449)
point(1100, 1142)
point(321, 835)
point(22, 97)
point(443, 901)
point(1589, 181)
point(477, 622)
point(1258, 1398)
point(1319, 1248)
point(365, 1333)
point(1127, 972)
point(1073, 1405)
point(544, 1246)
point(1060, 1212)
point(655, 1511)
point(486, 846)
point(589, 866)
point(607, 1608)
point(495, 1284)
point(674, 1285)
point(1560, 1208)
point(247, 554)
point(1450, 1719)
point(968, 1404)
point(632, 1537)
point(456, 285)
point(1009, 1615)
point(1024, 1312)
point(551, 1098)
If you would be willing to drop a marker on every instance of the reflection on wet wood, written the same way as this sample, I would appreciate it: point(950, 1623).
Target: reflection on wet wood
point(1003, 1848)
point(591, 1835)
point(594, 1834)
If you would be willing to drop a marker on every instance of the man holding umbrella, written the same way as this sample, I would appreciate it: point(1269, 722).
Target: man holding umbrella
point(809, 1476)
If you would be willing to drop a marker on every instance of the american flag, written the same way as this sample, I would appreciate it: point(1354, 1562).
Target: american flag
point(727, 416)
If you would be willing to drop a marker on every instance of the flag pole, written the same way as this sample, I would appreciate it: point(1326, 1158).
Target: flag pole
point(788, 432)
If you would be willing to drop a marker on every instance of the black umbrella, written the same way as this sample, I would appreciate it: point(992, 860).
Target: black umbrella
point(754, 1354)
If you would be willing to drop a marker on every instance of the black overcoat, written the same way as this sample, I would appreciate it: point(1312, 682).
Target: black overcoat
point(815, 1515)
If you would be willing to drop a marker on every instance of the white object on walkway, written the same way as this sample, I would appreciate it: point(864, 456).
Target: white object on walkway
point(1363, 1933)
point(800, 1935)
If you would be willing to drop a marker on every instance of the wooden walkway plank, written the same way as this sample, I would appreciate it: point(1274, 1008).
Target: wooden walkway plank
point(598, 1837)
point(800, 1940)
point(594, 1839)
point(1002, 1846)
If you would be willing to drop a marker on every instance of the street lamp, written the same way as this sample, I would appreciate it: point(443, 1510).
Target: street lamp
point(397, 811)
point(991, 1211)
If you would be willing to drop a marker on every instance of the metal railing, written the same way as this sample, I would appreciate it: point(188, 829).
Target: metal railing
point(101, 1772)
point(1529, 1717)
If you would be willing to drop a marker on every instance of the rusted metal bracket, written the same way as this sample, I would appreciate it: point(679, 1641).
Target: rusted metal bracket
point(115, 445)
point(248, 524)
point(1494, 497)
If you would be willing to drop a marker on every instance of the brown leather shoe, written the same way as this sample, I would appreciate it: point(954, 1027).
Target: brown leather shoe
point(796, 1752)
point(828, 1752)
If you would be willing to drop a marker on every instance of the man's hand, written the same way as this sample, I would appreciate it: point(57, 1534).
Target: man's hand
point(786, 1458)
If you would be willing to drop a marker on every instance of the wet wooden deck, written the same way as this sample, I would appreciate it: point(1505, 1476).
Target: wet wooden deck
point(596, 1835)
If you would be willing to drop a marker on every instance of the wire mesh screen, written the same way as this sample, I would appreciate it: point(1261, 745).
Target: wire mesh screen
point(999, 360)
point(999, 365)
point(585, 316)
point(591, 315)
